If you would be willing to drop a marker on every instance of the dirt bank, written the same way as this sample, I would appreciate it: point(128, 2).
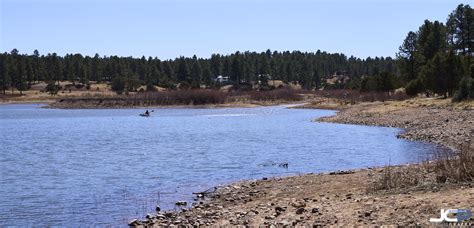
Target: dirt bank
point(350, 197)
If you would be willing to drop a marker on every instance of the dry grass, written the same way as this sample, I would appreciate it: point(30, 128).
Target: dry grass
point(458, 168)
point(447, 167)
point(399, 177)
point(355, 96)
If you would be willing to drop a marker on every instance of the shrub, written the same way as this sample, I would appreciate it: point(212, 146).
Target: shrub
point(132, 84)
point(457, 168)
point(466, 90)
point(52, 88)
point(277, 94)
point(243, 87)
point(414, 87)
point(393, 177)
point(354, 96)
point(183, 97)
point(118, 85)
point(447, 166)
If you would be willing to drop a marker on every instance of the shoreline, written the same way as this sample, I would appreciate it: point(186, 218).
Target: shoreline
point(9, 102)
point(56, 104)
point(345, 197)
point(426, 120)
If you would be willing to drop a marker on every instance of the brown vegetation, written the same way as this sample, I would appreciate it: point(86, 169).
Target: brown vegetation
point(355, 96)
point(177, 97)
point(276, 95)
point(445, 167)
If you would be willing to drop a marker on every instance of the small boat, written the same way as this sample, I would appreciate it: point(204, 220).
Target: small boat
point(145, 114)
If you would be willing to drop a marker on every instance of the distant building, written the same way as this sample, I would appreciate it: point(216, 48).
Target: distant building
point(222, 79)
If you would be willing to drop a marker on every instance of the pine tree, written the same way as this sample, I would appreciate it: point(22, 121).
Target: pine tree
point(433, 75)
point(168, 70)
point(183, 71)
point(196, 73)
point(454, 71)
point(4, 76)
point(207, 75)
point(408, 57)
point(216, 65)
point(227, 68)
point(236, 69)
point(96, 69)
point(21, 75)
point(461, 29)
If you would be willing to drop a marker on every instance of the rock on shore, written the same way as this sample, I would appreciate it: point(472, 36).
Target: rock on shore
point(316, 199)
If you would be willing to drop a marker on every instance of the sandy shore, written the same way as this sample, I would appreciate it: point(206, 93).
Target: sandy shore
point(348, 197)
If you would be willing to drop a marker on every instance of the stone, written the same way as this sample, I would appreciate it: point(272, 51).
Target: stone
point(158, 208)
point(300, 210)
point(181, 203)
point(279, 209)
point(134, 222)
point(270, 217)
point(298, 204)
point(315, 210)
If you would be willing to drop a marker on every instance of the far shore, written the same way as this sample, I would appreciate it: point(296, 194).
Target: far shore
point(406, 195)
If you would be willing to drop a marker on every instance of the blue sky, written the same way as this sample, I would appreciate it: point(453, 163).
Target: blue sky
point(171, 28)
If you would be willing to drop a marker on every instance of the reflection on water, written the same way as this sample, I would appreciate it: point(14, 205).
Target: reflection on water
point(77, 167)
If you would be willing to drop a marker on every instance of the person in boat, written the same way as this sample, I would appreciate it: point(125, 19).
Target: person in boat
point(147, 113)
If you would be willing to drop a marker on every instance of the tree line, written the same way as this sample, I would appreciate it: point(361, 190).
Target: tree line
point(438, 58)
point(434, 59)
point(19, 71)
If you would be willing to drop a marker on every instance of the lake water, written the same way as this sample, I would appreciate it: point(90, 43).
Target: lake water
point(107, 166)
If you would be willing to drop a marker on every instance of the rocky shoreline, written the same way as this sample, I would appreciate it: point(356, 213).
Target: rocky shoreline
point(428, 120)
point(339, 198)
point(346, 197)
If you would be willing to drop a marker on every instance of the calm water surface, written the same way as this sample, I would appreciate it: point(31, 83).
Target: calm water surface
point(105, 167)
